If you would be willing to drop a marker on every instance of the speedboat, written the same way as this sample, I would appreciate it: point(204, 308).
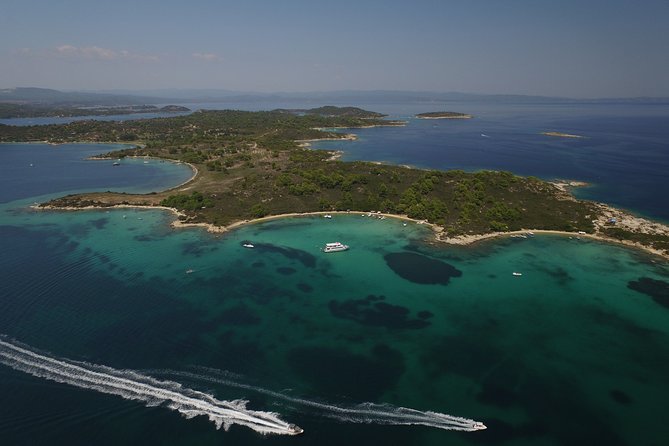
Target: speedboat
point(517, 274)
point(479, 426)
point(248, 245)
point(297, 430)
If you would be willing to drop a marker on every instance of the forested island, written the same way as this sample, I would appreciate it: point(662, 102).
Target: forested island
point(250, 165)
point(444, 115)
point(11, 110)
point(561, 135)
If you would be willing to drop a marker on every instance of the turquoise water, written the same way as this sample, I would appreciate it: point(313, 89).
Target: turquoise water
point(566, 354)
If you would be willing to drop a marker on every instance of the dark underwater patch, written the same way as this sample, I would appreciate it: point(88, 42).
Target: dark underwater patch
point(240, 315)
point(561, 276)
point(306, 288)
point(145, 238)
point(197, 248)
point(286, 270)
point(301, 256)
point(620, 397)
point(338, 372)
point(258, 264)
point(657, 289)
point(374, 313)
point(418, 268)
point(500, 396)
point(100, 223)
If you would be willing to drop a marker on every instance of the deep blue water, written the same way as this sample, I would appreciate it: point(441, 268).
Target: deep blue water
point(624, 154)
point(571, 353)
point(31, 170)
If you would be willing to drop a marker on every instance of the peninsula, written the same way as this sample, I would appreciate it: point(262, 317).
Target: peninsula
point(9, 110)
point(561, 135)
point(250, 165)
point(443, 115)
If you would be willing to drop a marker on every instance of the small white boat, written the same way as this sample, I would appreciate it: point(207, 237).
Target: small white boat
point(517, 274)
point(117, 163)
point(248, 245)
point(327, 216)
point(334, 247)
point(190, 271)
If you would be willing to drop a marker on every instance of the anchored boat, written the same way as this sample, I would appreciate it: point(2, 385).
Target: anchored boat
point(334, 247)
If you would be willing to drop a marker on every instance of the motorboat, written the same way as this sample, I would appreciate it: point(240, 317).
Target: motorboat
point(335, 247)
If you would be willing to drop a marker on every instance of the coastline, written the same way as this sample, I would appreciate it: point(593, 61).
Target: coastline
point(562, 135)
point(624, 219)
point(445, 117)
point(461, 240)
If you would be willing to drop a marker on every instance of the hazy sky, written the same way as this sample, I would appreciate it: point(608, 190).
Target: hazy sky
point(574, 48)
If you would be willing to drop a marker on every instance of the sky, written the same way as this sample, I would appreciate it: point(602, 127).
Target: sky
point(569, 48)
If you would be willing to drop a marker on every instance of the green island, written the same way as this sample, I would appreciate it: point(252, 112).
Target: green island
point(444, 115)
point(11, 110)
point(561, 135)
point(251, 165)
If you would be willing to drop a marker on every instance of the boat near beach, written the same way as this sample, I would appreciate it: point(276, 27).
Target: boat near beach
point(335, 247)
point(248, 245)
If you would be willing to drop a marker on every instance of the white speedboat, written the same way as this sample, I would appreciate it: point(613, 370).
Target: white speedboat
point(248, 245)
point(517, 274)
point(334, 247)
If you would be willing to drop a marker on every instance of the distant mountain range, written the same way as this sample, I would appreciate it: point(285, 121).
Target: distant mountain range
point(44, 96)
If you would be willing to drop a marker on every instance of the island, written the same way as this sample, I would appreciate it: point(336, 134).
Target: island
point(10, 110)
point(561, 135)
point(443, 115)
point(252, 165)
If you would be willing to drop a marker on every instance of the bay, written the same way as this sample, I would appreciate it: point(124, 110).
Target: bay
point(571, 352)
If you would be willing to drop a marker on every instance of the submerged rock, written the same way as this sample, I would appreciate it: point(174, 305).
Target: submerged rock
point(418, 268)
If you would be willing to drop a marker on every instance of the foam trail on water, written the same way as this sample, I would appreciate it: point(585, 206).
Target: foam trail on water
point(369, 413)
point(134, 386)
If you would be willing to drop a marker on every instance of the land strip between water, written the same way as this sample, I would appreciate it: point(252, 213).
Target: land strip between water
point(255, 165)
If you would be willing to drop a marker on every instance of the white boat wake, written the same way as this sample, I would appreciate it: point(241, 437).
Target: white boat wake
point(134, 386)
point(369, 413)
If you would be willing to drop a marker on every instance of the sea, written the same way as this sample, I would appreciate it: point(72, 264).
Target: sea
point(116, 328)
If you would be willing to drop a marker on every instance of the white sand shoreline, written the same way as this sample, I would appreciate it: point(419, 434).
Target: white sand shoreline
point(461, 240)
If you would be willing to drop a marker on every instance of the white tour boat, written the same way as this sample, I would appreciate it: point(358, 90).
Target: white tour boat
point(334, 247)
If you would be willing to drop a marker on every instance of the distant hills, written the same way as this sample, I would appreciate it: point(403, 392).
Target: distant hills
point(44, 96)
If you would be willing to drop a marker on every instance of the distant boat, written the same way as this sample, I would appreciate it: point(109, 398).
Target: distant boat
point(484, 135)
point(517, 274)
point(335, 247)
point(117, 163)
point(327, 216)
point(190, 271)
point(248, 245)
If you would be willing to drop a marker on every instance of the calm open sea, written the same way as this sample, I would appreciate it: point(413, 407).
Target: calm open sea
point(97, 305)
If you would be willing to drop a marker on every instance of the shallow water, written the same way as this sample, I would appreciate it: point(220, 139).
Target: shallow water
point(571, 352)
